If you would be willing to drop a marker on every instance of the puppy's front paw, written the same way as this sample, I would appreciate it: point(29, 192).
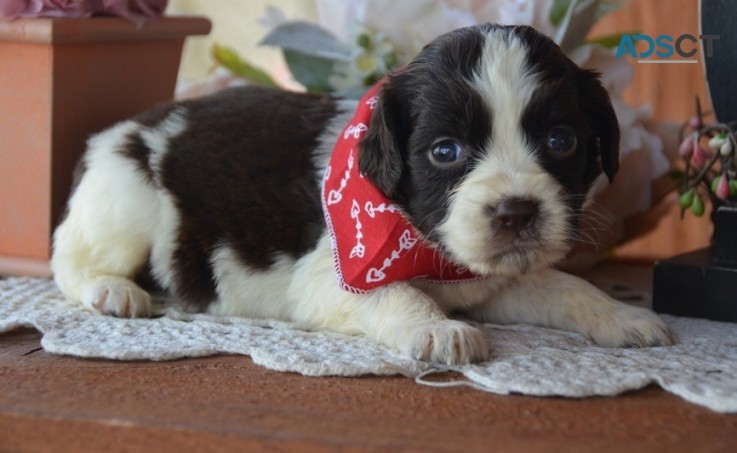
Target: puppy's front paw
point(630, 327)
point(445, 341)
point(117, 296)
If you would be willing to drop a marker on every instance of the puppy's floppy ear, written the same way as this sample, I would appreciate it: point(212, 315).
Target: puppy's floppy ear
point(380, 156)
point(598, 108)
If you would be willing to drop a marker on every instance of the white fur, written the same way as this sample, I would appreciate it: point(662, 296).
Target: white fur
point(117, 219)
point(243, 291)
point(562, 301)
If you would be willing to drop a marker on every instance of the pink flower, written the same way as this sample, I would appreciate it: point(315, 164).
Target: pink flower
point(129, 9)
point(700, 156)
point(10, 9)
point(687, 147)
point(723, 187)
point(695, 122)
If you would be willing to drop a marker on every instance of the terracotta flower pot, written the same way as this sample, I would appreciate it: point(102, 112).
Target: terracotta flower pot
point(60, 81)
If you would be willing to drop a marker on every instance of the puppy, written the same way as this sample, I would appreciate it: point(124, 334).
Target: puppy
point(488, 144)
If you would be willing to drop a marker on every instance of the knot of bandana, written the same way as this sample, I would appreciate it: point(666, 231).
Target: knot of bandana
point(373, 243)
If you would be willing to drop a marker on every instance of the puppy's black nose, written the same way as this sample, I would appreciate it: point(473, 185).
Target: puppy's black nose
point(514, 214)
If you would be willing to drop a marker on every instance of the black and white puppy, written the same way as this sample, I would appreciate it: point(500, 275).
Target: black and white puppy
point(489, 141)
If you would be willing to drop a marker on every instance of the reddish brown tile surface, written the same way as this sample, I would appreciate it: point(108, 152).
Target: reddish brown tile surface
point(51, 403)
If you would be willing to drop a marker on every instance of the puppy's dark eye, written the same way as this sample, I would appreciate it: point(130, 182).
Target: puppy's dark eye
point(561, 142)
point(446, 153)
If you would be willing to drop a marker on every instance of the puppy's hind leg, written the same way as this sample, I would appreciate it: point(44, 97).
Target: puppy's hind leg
point(106, 237)
point(99, 276)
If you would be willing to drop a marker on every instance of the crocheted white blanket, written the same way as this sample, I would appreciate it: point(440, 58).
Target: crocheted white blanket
point(701, 368)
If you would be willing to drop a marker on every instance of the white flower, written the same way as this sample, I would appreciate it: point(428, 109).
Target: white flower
point(425, 20)
point(371, 55)
point(399, 30)
point(409, 25)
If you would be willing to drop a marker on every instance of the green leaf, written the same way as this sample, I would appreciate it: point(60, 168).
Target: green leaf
point(610, 41)
point(686, 200)
point(580, 16)
point(307, 39)
point(229, 59)
point(698, 206)
point(608, 6)
point(558, 11)
point(311, 71)
point(732, 187)
point(714, 184)
point(574, 19)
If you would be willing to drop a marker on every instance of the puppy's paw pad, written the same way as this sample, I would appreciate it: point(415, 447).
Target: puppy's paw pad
point(118, 297)
point(632, 327)
point(449, 342)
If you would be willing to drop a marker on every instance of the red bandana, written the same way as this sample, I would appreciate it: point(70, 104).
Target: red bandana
point(373, 244)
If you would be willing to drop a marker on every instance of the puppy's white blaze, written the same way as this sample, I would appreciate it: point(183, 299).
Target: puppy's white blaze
point(507, 169)
point(506, 84)
point(244, 291)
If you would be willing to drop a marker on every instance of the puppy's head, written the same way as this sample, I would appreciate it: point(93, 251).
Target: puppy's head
point(491, 140)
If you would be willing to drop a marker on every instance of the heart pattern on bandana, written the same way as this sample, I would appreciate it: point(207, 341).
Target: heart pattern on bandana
point(373, 242)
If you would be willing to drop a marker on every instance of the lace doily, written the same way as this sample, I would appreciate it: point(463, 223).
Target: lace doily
point(701, 367)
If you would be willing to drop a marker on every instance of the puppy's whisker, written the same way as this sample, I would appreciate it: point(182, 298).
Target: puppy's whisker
point(588, 237)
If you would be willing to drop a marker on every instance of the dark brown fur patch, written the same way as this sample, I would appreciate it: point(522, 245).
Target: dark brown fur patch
point(242, 175)
point(136, 150)
point(156, 115)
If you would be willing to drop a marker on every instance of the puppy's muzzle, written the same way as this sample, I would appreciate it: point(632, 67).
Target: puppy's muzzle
point(514, 216)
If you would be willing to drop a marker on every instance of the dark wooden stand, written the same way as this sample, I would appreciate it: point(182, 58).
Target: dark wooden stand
point(702, 284)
